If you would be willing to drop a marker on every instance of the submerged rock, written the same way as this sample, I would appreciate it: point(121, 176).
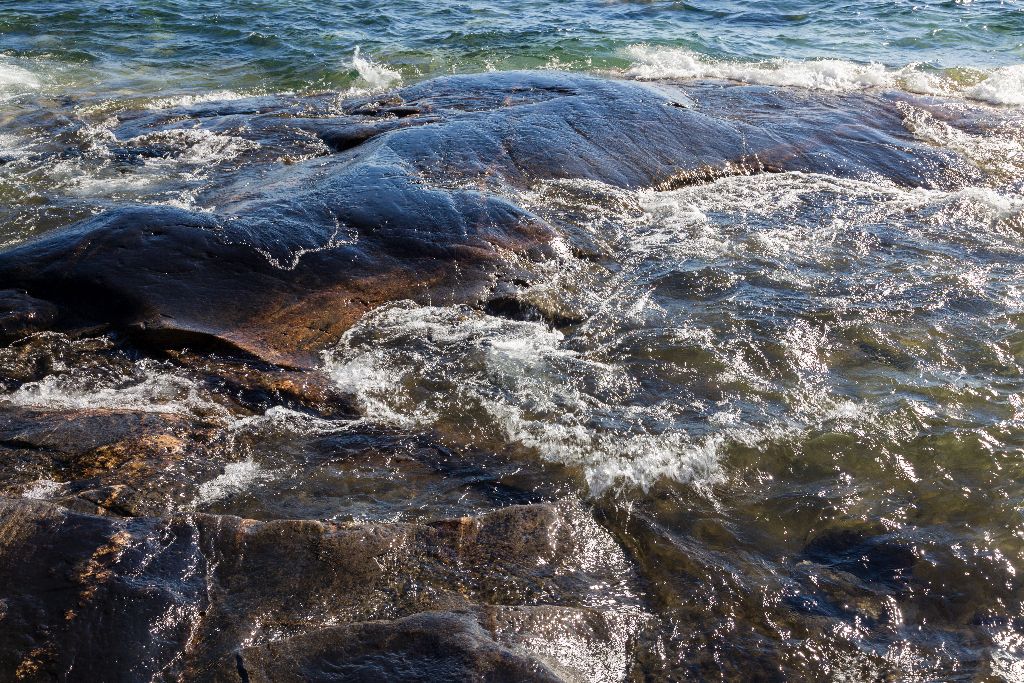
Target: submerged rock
point(103, 461)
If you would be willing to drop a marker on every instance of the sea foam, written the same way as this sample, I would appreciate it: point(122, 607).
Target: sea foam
point(1003, 86)
point(15, 81)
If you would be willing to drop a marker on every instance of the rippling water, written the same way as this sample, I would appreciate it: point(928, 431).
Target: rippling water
point(138, 48)
point(793, 401)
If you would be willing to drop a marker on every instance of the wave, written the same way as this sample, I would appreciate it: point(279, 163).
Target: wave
point(701, 273)
point(189, 100)
point(1003, 86)
point(15, 81)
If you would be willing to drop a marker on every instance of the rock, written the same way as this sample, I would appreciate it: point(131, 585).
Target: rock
point(427, 647)
point(181, 596)
point(75, 586)
point(871, 558)
point(412, 203)
point(258, 386)
point(21, 314)
point(103, 461)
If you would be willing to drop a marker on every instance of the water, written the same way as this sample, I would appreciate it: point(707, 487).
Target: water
point(787, 408)
point(141, 48)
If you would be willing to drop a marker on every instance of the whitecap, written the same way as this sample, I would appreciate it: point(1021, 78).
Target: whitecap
point(827, 74)
point(189, 100)
point(1002, 86)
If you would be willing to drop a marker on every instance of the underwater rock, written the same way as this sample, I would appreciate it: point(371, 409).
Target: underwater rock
point(102, 461)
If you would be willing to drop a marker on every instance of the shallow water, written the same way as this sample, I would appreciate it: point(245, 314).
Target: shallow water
point(782, 397)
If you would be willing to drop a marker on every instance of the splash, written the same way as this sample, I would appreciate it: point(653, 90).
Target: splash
point(42, 489)
point(145, 386)
point(375, 76)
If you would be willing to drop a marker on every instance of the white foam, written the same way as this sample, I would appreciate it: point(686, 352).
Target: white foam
point(150, 387)
point(13, 146)
point(174, 179)
point(982, 211)
point(1000, 152)
point(237, 477)
point(196, 145)
point(189, 100)
point(514, 381)
point(828, 74)
point(42, 489)
point(15, 81)
point(375, 76)
point(1003, 86)
point(278, 419)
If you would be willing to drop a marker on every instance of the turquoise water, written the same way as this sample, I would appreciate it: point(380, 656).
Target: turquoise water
point(149, 47)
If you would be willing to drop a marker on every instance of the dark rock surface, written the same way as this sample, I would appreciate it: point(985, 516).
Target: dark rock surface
point(206, 597)
point(412, 203)
point(21, 314)
point(431, 646)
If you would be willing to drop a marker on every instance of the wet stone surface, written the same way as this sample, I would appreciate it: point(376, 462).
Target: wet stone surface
point(516, 376)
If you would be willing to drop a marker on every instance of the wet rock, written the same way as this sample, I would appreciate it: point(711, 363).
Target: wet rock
point(362, 473)
point(21, 314)
point(179, 596)
point(871, 559)
point(180, 280)
point(432, 646)
point(518, 555)
point(77, 585)
point(412, 204)
point(258, 386)
point(516, 309)
point(103, 461)
point(601, 641)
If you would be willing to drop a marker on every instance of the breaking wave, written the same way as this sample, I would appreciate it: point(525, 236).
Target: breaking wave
point(1002, 86)
point(16, 80)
